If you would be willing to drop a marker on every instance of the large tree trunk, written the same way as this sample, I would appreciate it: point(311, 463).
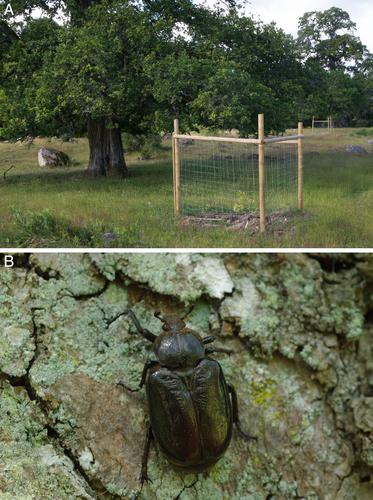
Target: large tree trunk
point(106, 150)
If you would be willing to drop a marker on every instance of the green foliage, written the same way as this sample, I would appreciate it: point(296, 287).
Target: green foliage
point(364, 132)
point(233, 99)
point(240, 202)
point(137, 65)
point(177, 79)
point(97, 69)
point(19, 78)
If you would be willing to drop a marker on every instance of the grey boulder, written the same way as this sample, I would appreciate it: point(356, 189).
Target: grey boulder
point(48, 157)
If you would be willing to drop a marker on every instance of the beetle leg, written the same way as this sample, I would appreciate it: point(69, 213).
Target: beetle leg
point(235, 416)
point(147, 365)
point(142, 331)
point(209, 339)
point(144, 462)
point(127, 387)
point(211, 350)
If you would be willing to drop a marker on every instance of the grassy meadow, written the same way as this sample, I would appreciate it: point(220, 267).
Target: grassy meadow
point(63, 207)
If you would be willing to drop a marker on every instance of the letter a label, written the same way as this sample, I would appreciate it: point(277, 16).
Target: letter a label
point(9, 10)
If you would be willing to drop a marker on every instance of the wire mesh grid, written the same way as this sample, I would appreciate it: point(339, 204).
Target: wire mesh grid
point(281, 175)
point(223, 177)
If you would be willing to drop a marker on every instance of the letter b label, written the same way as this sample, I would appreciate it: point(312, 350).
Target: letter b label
point(8, 261)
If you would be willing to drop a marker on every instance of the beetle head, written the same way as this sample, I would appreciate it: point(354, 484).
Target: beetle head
point(171, 323)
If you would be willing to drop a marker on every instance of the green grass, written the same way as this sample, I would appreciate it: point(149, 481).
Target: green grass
point(50, 208)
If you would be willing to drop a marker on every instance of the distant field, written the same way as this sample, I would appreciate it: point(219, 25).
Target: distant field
point(51, 208)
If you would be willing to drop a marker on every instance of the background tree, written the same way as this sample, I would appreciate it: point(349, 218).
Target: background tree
point(335, 67)
point(366, 75)
point(328, 37)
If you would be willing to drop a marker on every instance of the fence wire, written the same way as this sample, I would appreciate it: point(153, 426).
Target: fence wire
point(223, 177)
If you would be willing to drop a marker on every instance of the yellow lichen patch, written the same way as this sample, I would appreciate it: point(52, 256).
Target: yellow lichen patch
point(263, 392)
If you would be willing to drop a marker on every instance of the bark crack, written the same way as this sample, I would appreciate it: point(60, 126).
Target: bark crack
point(186, 487)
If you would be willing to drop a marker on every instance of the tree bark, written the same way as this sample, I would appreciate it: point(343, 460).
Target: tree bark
point(106, 150)
point(300, 328)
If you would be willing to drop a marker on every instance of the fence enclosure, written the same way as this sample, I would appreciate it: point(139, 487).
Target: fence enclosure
point(233, 175)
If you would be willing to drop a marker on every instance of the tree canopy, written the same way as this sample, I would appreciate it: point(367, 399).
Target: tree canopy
point(102, 67)
point(337, 67)
point(329, 38)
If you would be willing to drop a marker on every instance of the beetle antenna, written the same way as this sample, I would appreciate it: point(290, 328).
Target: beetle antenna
point(157, 314)
point(143, 331)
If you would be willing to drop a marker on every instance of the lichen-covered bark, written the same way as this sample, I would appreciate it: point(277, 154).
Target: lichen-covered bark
point(300, 326)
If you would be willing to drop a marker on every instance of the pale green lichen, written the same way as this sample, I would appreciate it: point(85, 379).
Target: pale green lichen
point(30, 467)
point(85, 338)
point(367, 451)
point(20, 419)
point(73, 270)
point(277, 311)
point(201, 318)
point(186, 276)
point(16, 350)
point(16, 326)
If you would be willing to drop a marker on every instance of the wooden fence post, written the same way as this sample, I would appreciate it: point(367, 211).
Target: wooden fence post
point(262, 214)
point(300, 166)
point(176, 167)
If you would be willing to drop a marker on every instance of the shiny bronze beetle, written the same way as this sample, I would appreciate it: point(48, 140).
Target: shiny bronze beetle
point(192, 408)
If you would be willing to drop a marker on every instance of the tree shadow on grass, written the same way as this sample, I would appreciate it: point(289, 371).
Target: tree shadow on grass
point(149, 174)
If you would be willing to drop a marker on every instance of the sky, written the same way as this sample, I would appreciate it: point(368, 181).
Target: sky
point(287, 12)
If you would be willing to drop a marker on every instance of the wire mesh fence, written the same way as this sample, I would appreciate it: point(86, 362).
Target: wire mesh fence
point(218, 177)
point(281, 171)
point(229, 176)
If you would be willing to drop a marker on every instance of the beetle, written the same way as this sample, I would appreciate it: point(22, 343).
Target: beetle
point(192, 408)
